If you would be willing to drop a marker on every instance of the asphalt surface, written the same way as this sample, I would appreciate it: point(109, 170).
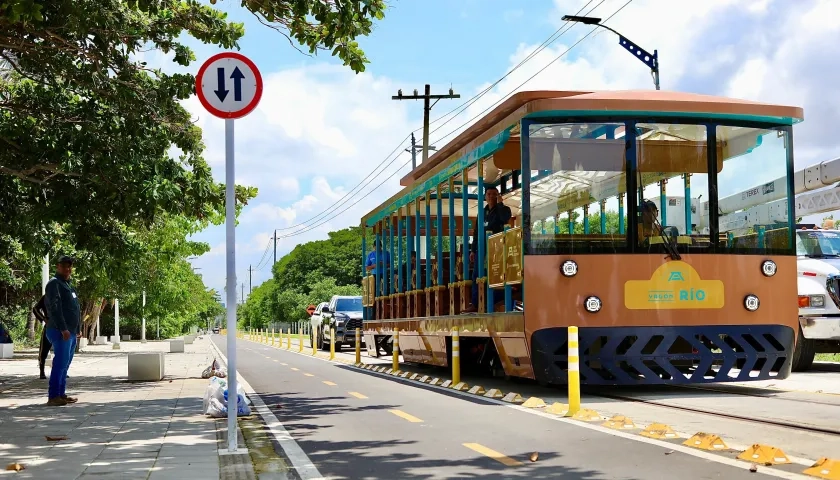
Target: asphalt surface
point(356, 425)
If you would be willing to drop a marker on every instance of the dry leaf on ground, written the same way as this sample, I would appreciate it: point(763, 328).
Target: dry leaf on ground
point(56, 439)
point(16, 467)
point(535, 456)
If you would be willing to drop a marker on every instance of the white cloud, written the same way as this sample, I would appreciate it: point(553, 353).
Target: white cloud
point(322, 128)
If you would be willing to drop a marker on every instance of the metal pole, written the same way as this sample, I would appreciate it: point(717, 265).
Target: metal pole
point(143, 322)
point(116, 324)
point(45, 274)
point(230, 247)
point(426, 111)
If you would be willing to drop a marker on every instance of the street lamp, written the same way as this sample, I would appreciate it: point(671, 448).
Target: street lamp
point(652, 61)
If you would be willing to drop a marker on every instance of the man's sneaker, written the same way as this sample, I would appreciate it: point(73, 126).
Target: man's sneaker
point(69, 399)
point(56, 402)
point(43, 375)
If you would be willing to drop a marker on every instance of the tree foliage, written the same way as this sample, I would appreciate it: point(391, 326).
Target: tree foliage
point(310, 274)
point(99, 158)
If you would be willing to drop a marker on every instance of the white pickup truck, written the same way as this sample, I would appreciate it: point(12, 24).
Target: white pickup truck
point(342, 312)
point(818, 276)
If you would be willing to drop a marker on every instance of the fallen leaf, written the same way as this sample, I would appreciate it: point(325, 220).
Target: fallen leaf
point(535, 456)
point(669, 452)
point(15, 467)
point(754, 468)
point(278, 406)
point(56, 439)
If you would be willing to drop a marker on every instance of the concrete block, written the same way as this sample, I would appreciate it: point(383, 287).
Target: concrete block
point(125, 338)
point(114, 339)
point(146, 367)
point(100, 340)
point(189, 339)
point(176, 346)
point(7, 350)
point(83, 342)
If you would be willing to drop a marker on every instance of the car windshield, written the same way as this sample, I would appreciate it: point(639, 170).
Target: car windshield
point(818, 244)
point(348, 304)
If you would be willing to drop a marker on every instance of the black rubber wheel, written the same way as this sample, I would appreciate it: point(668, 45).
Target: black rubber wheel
point(803, 353)
point(325, 346)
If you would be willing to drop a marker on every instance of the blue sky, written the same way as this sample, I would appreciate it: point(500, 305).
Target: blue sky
point(320, 129)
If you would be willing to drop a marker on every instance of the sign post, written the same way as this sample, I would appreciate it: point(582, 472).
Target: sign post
point(229, 86)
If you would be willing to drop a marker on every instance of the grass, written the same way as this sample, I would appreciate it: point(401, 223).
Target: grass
point(828, 357)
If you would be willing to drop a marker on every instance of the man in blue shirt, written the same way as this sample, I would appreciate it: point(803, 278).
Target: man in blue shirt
point(63, 326)
point(378, 267)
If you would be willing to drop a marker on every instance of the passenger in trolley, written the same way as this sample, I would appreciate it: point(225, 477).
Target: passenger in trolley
point(496, 216)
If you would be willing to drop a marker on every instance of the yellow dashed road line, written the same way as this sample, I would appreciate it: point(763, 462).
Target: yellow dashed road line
point(295, 369)
point(309, 375)
point(503, 459)
point(406, 416)
point(329, 383)
point(357, 395)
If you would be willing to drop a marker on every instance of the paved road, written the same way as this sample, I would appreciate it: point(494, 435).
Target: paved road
point(355, 425)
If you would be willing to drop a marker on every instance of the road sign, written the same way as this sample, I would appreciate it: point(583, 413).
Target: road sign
point(229, 85)
point(310, 310)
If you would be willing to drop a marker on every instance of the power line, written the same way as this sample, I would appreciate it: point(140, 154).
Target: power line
point(311, 227)
point(551, 39)
point(535, 74)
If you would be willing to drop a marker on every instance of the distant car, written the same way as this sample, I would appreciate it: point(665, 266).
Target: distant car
point(215, 329)
point(345, 312)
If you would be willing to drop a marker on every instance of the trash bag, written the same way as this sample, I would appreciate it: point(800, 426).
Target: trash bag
point(216, 408)
point(214, 370)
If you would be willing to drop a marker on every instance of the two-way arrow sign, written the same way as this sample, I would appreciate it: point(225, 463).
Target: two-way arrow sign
point(231, 70)
point(237, 76)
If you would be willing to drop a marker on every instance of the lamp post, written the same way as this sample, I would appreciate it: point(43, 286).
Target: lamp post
point(652, 61)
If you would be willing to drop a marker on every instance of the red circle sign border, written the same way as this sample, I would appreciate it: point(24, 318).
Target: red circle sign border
point(247, 108)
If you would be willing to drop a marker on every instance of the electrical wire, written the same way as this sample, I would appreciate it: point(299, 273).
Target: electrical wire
point(459, 109)
point(311, 227)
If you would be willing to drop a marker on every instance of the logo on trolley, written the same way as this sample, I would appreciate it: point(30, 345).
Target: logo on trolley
point(674, 285)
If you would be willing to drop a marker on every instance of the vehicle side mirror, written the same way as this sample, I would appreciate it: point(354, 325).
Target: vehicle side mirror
point(325, 310)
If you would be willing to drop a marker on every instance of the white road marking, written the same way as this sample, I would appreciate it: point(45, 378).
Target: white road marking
point(300, 461)
point(617, 433)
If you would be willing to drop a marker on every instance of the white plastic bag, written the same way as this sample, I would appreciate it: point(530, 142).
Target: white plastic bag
point(216, 409)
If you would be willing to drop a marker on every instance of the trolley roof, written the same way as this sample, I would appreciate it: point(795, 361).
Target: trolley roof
point(497, 128)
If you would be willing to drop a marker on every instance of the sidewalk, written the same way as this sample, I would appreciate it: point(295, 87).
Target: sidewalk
point(143, 430)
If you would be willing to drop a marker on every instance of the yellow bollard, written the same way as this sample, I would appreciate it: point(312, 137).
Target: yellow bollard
point(300, 340)
point(396, 360)
point(358, 345)
point(272, 336)
point(332, 342)
point(574, 372)
point(314, 352)
point(289, 339)
point(456, 357)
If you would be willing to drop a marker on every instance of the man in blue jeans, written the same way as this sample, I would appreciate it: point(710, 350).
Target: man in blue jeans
point(62, 328)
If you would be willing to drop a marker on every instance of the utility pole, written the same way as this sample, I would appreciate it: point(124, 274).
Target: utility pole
point(250, 278)
point(275, 245)
point(427, 108)
point(243, 293)
point(413, 151)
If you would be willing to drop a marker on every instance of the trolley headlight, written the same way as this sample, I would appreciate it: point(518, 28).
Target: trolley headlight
point(751, 302)
point(592, 304)
point(768, 268)
point(569, 268)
